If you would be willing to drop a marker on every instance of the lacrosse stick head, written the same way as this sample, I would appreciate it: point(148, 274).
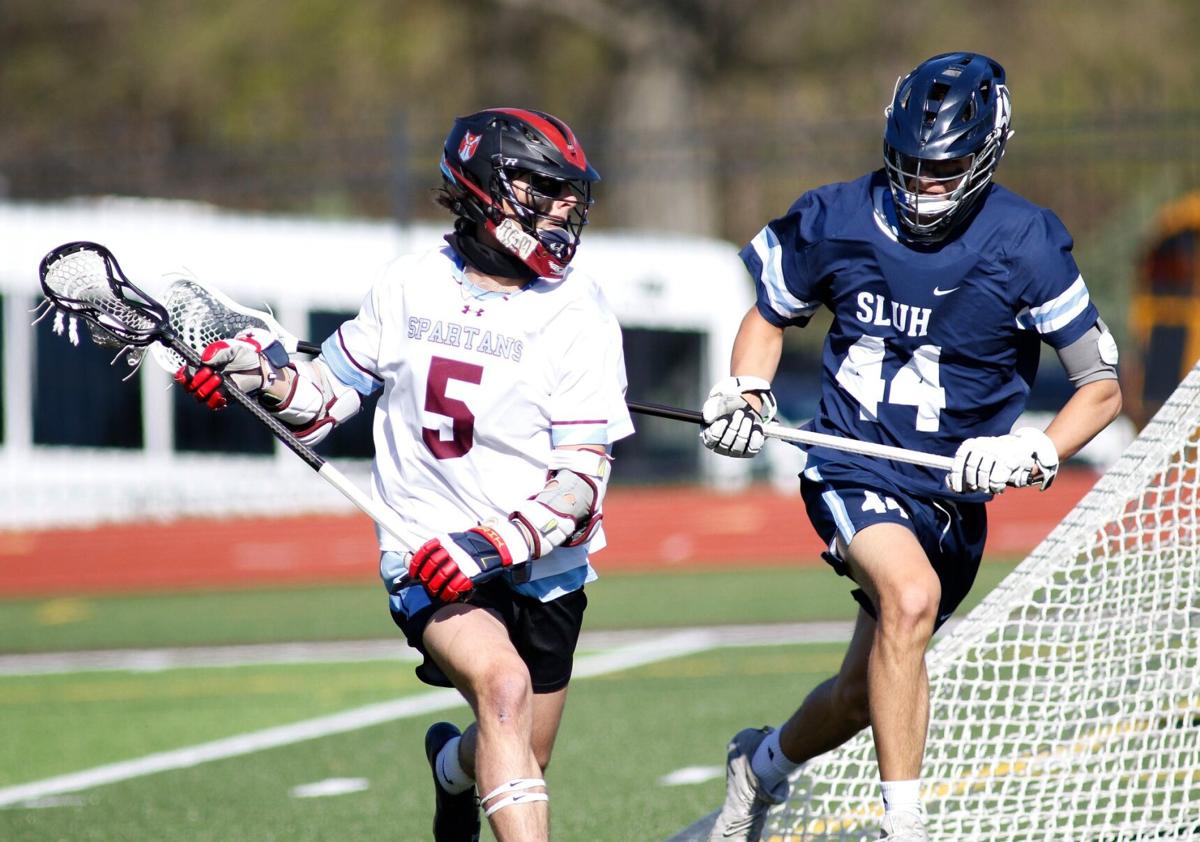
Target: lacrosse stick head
point(200, 314)
point(84, 280)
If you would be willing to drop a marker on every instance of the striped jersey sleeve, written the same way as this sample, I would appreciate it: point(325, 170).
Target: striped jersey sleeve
point(1053, 298)
point(777, 260)
point(352, 352)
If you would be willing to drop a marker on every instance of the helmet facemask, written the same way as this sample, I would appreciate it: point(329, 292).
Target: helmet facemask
point(527, 216)
point(931, 196)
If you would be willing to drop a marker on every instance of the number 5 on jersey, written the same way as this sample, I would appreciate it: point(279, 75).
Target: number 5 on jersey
point(462, 421)
point(917, 384)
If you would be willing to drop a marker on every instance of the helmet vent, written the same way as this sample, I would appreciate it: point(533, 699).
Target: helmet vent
point(937, 94)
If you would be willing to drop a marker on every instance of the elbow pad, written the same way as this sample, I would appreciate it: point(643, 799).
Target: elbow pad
point(317, 402)
point(567, 511)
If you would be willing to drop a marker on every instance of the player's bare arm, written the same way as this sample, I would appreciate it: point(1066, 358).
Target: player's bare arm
point(1092, 408)
point(756, 349)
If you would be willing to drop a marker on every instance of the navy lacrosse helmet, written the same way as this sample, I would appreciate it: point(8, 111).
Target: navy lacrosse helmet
point(487, 151)
point(946, 129)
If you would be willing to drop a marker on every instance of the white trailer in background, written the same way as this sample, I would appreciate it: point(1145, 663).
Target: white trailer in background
point(300, 266)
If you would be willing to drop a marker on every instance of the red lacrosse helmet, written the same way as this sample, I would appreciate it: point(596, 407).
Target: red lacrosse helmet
point(482, 156)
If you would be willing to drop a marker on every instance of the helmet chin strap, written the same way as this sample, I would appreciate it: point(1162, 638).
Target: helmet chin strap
point(485, 258)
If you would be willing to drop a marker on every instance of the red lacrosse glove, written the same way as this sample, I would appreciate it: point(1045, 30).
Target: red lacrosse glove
point(447, 565)
point(251, 360)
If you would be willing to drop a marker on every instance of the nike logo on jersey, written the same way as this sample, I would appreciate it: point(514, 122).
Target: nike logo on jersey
point(937, 291)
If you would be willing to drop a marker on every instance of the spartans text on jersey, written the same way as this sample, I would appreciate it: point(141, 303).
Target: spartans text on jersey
point(463, 336)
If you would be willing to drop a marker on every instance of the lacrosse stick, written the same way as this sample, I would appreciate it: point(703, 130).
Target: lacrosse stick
point(778, 431)
point(201, 314)
point(83, 280)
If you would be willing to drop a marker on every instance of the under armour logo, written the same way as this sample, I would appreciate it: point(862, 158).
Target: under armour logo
point(467, 309)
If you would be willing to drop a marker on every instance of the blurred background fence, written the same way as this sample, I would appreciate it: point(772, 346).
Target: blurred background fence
point(1094, 170)
point(1105, 174)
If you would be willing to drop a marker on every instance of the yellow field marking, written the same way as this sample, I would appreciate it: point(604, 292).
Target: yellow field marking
point(60, 612)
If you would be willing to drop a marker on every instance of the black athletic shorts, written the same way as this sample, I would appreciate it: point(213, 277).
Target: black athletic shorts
point(543, 633)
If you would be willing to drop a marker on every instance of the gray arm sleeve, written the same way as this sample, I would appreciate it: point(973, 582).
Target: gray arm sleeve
point(1091, 357)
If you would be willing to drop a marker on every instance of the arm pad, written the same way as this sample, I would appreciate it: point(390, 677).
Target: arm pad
point(567, 510)
point(1091, 357)
point(317, 401)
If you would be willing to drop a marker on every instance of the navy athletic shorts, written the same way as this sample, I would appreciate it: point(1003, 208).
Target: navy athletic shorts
point(543, 633)
point(842, 499)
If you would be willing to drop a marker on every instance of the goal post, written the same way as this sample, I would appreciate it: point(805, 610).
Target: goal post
point(1066, 705)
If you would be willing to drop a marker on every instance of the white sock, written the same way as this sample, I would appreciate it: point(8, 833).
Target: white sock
point(901, 796)
point(450, 772)
point(770, 764)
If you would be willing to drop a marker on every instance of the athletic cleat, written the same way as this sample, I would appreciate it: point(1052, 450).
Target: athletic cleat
point(455, 817)
point(746, 804)
point(904, 826)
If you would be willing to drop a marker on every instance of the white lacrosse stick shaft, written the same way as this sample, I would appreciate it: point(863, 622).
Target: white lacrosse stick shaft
point(778, 431)
point(863, 448)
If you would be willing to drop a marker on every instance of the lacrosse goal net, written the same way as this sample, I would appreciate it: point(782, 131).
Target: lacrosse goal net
point(1066, 706)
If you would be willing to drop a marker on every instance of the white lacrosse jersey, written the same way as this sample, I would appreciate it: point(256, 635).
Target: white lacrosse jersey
point(478, 388)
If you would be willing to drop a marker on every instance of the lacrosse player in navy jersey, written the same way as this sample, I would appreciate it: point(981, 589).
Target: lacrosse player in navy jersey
point(942, 286)
point(503, 386)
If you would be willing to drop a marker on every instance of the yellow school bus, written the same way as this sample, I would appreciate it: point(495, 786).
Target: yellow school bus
point(1164, 316)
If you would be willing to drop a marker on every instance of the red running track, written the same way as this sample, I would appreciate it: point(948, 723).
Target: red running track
point(648, 529)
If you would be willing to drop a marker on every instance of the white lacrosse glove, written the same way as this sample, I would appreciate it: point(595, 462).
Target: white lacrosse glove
point(732, 427)
point(252, 360)
point(992, 463)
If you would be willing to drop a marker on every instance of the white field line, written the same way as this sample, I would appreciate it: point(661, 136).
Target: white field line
point(658, 648)
point(155, 660)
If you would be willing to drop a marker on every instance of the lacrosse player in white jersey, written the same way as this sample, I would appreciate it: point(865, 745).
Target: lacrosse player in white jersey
point(503, 388)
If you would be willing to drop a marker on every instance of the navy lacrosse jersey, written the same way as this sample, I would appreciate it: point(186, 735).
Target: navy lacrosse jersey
point(929, 346)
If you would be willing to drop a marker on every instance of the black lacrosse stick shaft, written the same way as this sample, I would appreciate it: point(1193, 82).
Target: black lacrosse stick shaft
point(277, 428)
point(659, 410)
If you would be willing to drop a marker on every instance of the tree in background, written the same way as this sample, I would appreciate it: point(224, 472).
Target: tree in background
point(701, 114)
